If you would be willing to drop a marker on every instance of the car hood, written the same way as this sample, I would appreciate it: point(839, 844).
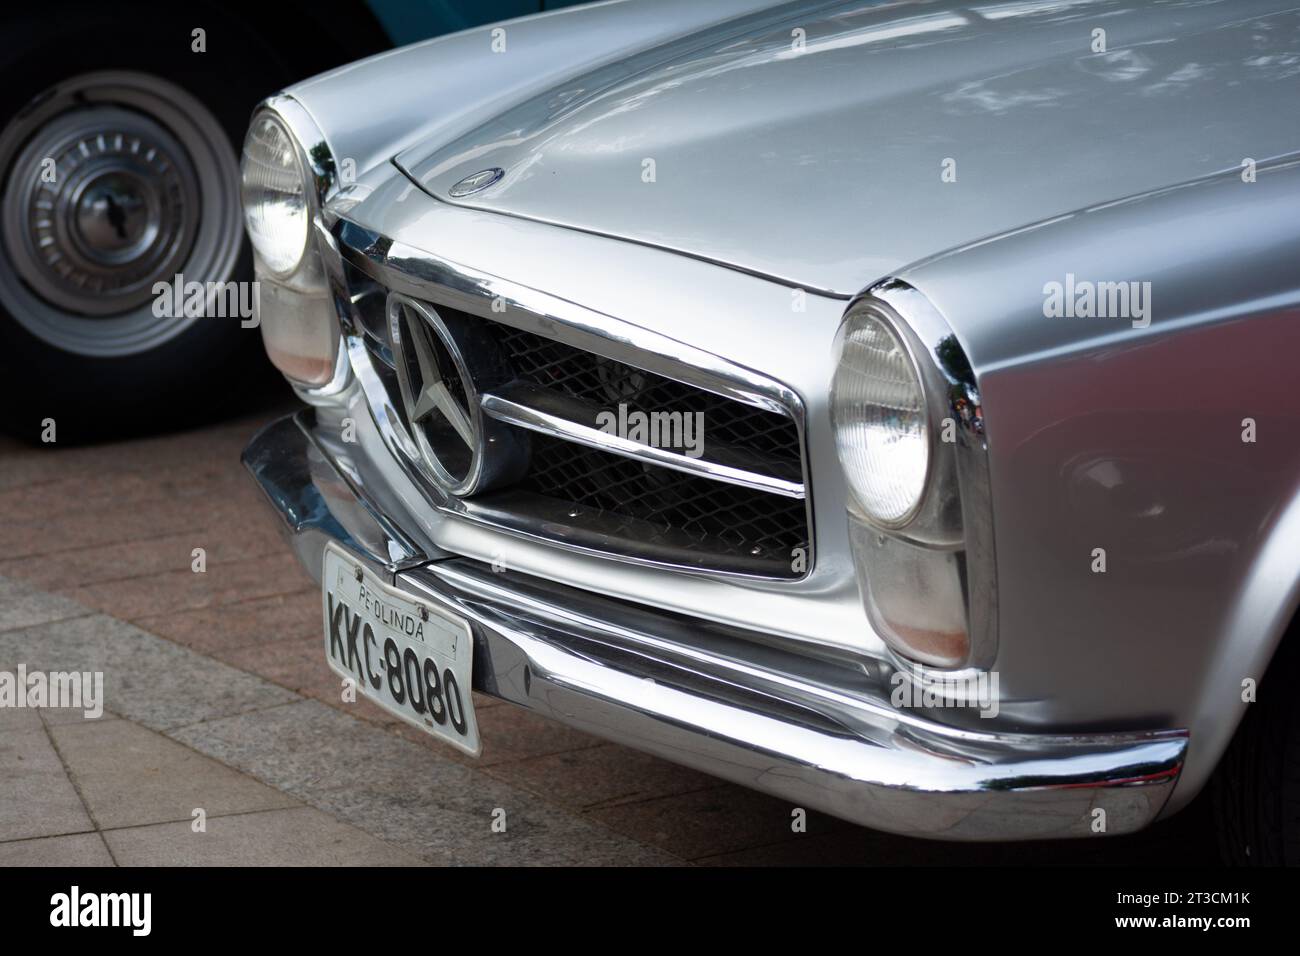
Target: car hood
point(829, 145)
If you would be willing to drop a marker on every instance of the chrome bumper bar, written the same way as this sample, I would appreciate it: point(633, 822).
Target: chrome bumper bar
point(815, 731)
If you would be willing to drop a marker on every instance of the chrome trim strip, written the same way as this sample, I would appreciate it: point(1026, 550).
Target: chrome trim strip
point(315, 156)
point(314, 150)
point(749, 708)
point(509, 409)
point(402, 268)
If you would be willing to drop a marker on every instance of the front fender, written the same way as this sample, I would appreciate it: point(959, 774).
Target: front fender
point(1108, 436)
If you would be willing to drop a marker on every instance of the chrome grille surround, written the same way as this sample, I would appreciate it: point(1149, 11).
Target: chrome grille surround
point(373, 266)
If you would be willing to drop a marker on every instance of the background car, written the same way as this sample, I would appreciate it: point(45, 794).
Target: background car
point(120, 127)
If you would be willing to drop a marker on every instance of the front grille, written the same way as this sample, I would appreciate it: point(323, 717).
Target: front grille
point(595, 499)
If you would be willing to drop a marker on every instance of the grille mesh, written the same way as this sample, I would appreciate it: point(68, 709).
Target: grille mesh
point(604, 382)
point(750, 521)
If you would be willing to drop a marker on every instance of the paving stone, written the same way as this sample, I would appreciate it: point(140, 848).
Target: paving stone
point(512, 733)
point(710, 822)
point(75, 567)
point(403, 792)
point(22, 605)
point(165, 454)
point(129, 775)
point(39, 799)
point(19, 718)
point(58, 716)
point(601, 776)
point(186, 589)
point(24, 539)
point(80, 494)
point(80, 849)
point(223, 628)
point(33, 718)
point(300, 666)
point(295, 837)
point(146, 678)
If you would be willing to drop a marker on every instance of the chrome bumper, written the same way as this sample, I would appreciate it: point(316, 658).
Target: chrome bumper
point(817, 732)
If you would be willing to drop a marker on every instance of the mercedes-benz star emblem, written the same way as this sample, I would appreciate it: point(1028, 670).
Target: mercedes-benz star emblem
point(431, 394)
point(478, 181)
point(443, 361)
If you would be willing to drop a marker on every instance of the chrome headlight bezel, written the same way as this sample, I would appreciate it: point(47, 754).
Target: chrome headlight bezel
point(302, 334)
point(952, 521)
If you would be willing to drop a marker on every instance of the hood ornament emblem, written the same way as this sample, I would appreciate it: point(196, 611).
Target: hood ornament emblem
point(476, 182)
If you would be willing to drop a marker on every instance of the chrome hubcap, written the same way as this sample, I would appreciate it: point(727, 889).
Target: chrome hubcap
point(113, 210)
point(113, 182)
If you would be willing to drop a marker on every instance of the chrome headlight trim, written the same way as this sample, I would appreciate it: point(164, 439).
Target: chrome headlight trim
point(956, 511)
point(314, 154)
point(316, 160)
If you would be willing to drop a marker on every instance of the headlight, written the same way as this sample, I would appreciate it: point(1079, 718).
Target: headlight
point(274, 194)
point(909, 431)
point(280, 195)
point(879, 411)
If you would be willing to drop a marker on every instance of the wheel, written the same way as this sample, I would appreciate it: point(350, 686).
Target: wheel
point(1255, 791)
point(118, 164)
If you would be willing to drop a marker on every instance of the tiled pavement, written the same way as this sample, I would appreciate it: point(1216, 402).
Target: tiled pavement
point(219, 699)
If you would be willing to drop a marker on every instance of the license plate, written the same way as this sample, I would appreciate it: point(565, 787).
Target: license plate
point(406, 655)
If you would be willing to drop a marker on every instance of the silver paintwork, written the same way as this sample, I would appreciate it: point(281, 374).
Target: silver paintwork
point(823, 167)
point(1112, 166)
point(808, 731)
point(1105, 435)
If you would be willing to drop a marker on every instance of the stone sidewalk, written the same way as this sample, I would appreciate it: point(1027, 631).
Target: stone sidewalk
point(220, 700)
point(277, 777)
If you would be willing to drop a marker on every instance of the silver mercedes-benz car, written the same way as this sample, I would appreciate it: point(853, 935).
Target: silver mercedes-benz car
point(887, 406)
